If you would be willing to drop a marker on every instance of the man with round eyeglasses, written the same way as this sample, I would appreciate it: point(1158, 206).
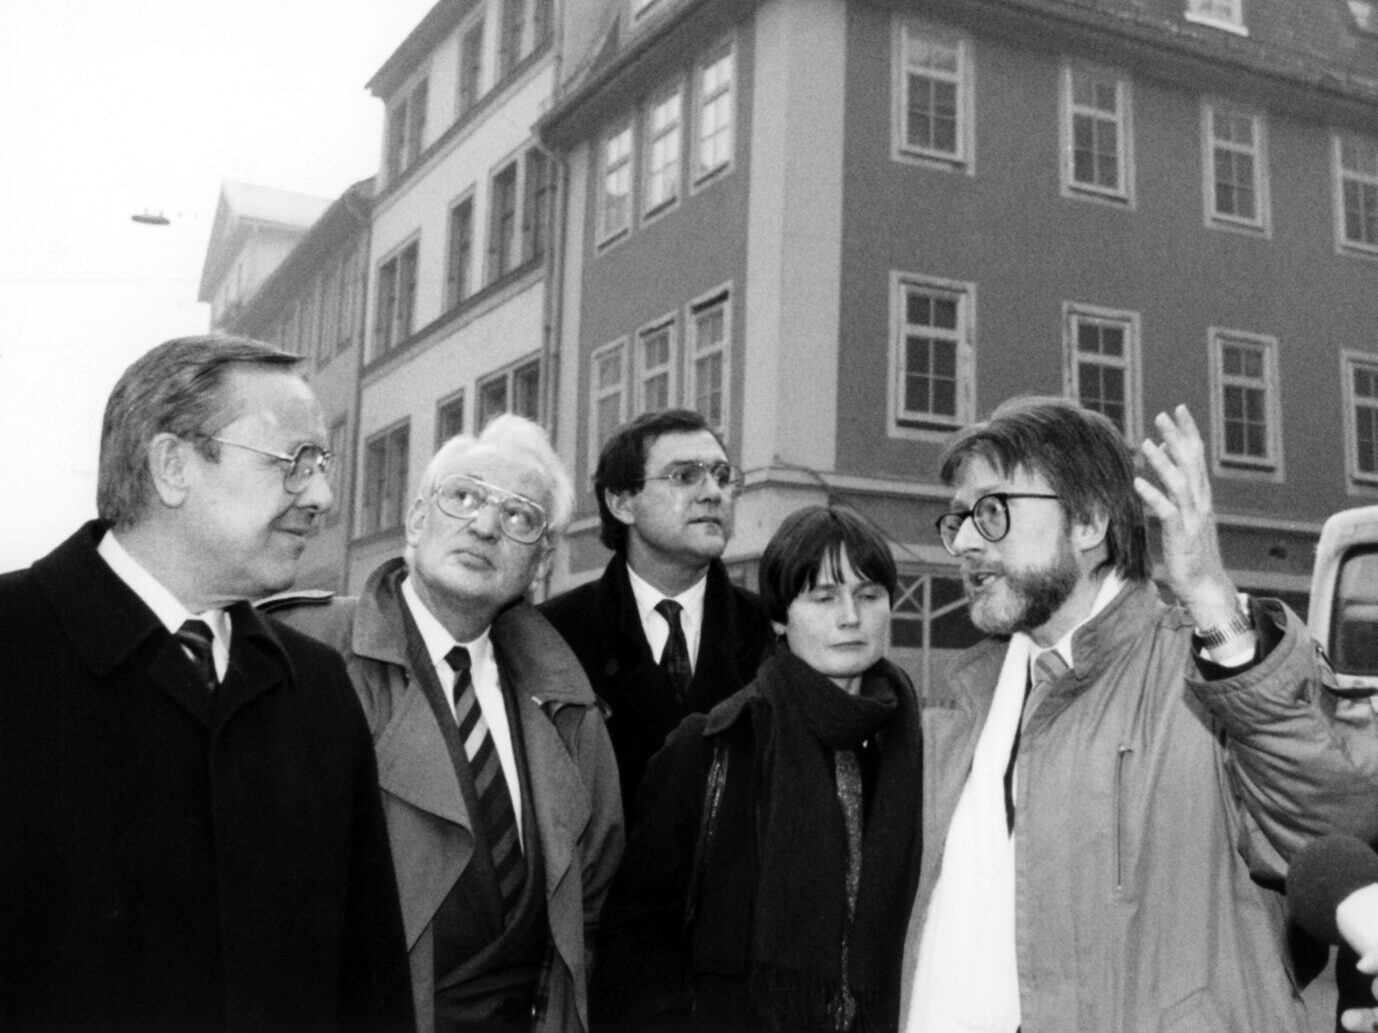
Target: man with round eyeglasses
point(190, 831)
point(1113, 785)
point(499, 783)
point(663, 633)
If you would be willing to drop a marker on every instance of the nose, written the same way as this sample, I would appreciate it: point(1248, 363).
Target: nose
point(968, 539)
point(317, 494)
point(849, 614)
point(486, 522)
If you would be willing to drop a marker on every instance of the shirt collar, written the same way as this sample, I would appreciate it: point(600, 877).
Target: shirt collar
point(1109, 588)
point(439, 641)
point(648, 596)
point(155, 595)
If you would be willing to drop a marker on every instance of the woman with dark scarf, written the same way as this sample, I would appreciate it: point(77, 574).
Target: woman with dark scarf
point(769, 877)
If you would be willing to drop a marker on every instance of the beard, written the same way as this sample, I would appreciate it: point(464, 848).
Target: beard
point(1027, 599)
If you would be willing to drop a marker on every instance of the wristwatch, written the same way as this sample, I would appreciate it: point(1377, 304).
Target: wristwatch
point(1213, 638)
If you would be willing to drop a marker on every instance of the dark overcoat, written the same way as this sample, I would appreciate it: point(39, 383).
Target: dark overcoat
point(174, 859)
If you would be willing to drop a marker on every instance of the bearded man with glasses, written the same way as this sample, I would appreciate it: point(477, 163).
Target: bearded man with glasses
point(498, 780)
point(1112, 785)
point(663, 633)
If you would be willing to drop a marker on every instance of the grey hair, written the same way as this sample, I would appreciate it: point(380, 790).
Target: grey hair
point(528, 440)
point(174, 388)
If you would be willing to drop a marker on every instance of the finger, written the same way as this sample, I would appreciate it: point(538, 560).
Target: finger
point(1174, 480)
point(1359, 1020)
point(1368, 964)
point(1160, 505)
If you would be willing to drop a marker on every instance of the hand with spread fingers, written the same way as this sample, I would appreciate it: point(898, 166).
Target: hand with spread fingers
point(1191, 547)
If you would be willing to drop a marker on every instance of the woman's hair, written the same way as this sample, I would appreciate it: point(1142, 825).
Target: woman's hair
point(815, 535)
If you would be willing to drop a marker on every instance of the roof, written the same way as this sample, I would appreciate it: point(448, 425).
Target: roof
point(439, 20)
point(243, 206)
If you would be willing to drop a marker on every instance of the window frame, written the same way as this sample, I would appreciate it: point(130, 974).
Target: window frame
point(536, 204)
point(1262, 222)
point(931, 427)
point(471, 66)
point(669, 369)
point(459, 283)
point(699, 175)
point(597, 393)
point(371, 523)
point(406, 128)
point(963, 157)
point(507, 376)
point(337, 441)
point(495, 266)
point(602, 236)
point(1343, 244)
point(444, 406)
point(1357, 482)
point(397, 260)
point(1230, 22)
point(1122, 195)
point(719, 297)
point(1074, 313)
point(652, 210)
point(1269, 467)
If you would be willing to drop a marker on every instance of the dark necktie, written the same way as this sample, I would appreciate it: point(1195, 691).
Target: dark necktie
point(195, 638)
point(1047, 668)
point(490, 785)
point(674, 661)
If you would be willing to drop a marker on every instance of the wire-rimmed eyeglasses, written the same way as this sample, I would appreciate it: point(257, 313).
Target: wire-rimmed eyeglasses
point(690, 474)
point(303, 464)
point(462, 496)
point(990, 515)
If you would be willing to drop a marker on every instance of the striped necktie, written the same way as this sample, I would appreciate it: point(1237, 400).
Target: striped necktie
point(195, 638)
point(674, 661)
point(490, 785)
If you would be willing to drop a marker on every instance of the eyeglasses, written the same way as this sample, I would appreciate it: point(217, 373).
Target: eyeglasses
point(462, 497)
point(990, 515)
point(303, 464)
point(690, 474)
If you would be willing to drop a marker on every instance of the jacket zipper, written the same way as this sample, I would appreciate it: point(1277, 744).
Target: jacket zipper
point(1121, 759)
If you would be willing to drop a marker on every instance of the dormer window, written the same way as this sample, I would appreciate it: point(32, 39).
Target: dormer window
point(1218, 14)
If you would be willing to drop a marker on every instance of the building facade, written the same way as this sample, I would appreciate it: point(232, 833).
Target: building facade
point(844, 228)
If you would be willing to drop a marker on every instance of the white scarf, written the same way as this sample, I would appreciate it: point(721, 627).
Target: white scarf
point(968, 978)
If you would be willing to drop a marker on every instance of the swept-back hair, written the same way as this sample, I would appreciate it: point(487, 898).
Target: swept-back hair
point(622, 463)
point(1079, 453)
point(816, 535)
point(176, 388)
point(527, 439)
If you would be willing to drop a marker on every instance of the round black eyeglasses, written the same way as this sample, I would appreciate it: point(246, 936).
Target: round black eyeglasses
point(990, 515)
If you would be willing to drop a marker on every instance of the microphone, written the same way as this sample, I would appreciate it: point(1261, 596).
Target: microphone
point(1332, 892)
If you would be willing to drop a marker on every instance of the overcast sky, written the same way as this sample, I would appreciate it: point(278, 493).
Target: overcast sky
point(118, 106)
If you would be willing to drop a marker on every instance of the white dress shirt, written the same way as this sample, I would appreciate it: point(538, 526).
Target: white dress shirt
point(483, 669)
point(656, 627)
point(163, 603)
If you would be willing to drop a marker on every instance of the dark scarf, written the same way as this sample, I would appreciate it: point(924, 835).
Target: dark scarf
point(800, 911)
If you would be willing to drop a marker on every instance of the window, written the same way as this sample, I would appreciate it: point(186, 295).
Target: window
point(351, 295)
point(329, 293)
point(516, 389)
point(1361, 423)
point(607, 395)
point(470, 67)
point(396, 302)
point(1245, 407)
point(655, 366)
point(1096, 135)
point(1356, 193)
point(513, 30)
point(338, 444)
point(708, 359)
point(1101, 355)
point(536, 205)
point(385, 480)
point(449, 418)
point(931, 356)
point(1235, 161)
point(406, 130)
point(1221, 14)
point(615, 184)
point(933, 115)
point(663, 151)
point(716, 118)
point(502, 223)
point(460, 257)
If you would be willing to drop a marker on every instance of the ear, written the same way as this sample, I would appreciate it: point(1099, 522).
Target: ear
point(619, 505)
point(169, 464)
point(542, 567)
point(416, 520)
point(1091, 534)
point(778, 628)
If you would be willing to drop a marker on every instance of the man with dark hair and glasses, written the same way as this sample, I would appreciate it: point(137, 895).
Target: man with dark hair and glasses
point(190, 831)
point(1113, 785)
point(498, 780)
point(663, 633)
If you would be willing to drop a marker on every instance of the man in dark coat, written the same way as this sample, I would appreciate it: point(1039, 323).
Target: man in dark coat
point(190, 831)
point(665, 494)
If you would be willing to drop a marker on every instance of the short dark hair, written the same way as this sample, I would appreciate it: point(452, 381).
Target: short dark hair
point(175, 388)
point(812, 536)
point(622, 463)
point(1080, 453)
